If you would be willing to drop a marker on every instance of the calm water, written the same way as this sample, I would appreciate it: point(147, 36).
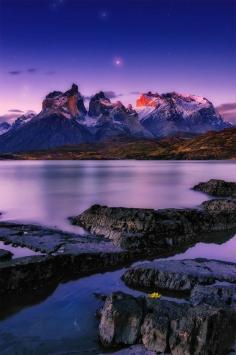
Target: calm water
point(63, 320)
point(48, 192)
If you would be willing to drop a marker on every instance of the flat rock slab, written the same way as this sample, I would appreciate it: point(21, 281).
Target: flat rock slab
point(179, 275)
point(218, 188)
point(215, 295)
point(167, 229)
point(5, 255)
point(42, 239)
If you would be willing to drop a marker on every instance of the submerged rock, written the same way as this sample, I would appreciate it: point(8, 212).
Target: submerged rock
point(167, 327)
point(179, 275)
point(5, 255)
point(218, 188)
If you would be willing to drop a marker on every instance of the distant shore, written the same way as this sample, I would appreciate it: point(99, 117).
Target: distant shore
point(209, 146)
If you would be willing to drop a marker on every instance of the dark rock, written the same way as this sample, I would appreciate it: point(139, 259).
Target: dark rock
point(133, 350)
point(121, 319)
point(218, 188)
point(216, 295)
point(68, 255)
point(179, 275)
point(133, 228)
point(167, 327)
point(5, 255)
point(99, 105)
point(219, 205)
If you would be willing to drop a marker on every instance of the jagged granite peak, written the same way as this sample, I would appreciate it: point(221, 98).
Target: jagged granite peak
point(99, 105)
point(111, 119)
point(172, 113)
point(70, 104)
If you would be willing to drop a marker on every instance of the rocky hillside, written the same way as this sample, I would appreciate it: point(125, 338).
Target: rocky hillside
point(212, 145)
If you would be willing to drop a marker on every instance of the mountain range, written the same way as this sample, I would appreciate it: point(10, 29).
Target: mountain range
point(65, 120)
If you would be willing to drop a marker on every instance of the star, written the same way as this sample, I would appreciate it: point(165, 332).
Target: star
point(103, 15)
point(118, 62)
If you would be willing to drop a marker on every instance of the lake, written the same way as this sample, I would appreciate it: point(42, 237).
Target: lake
point(63, 320)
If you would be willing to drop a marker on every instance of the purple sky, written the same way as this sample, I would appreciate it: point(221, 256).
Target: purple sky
point(125, 46)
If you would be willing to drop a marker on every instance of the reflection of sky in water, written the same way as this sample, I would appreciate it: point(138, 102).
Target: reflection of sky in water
point(49, 192)
point(18, 251)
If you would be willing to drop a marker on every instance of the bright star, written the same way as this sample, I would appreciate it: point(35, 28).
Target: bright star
point(118, 62)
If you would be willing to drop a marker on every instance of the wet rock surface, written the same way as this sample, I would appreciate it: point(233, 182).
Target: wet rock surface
point(133, 228)
point(179, 275)
point(5, 255)
point(216, 295)
point(66, 255)
point(133, 350)
point(121, 320)
point(170, 328)
point(220, 205)
point(218, 188)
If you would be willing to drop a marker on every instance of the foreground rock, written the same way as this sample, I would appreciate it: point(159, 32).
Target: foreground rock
point(66, 255)
point(179, 275)
point(133, 350)
point(220, 205)
point(167, 327)
point(216, 295)
point(5, 255)
point(155, 230)
point(121, 320)
point(218, 188)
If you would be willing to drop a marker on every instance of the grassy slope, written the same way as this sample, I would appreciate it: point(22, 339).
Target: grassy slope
point(212, 145)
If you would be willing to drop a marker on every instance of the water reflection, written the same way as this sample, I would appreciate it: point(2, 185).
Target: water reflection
point(62, 319)
point(48, 192)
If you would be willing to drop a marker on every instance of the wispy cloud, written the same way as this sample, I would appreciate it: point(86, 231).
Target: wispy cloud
point(108, 94)
point(16, 110)
point(112, 94)
point(15, 72)
point(228, 111)
point(18, 72)
point(32, 70)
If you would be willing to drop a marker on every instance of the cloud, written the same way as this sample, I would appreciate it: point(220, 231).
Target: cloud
point(228, 111)
point(15, 110)
point(108, 94)
point(112, 94)
point(32, 70)
point(14, 72)
point(227, 107)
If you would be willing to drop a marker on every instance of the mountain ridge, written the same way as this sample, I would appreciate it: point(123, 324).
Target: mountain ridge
point(64, 120)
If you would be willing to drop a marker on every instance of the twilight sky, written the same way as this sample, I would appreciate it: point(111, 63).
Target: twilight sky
point(125, 46)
